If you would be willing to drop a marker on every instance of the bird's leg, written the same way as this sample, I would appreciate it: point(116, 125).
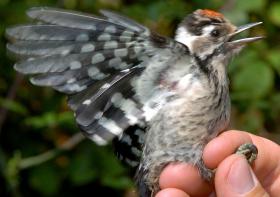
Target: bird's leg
point(250, 151)
point(206, 173)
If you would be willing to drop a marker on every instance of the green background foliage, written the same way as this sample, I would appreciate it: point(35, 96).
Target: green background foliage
point(36, 121)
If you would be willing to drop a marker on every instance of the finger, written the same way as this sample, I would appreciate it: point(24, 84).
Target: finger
point(266, 166)
point(171, 192)
point(186, 178)
point(235, 178)
point(222, 146)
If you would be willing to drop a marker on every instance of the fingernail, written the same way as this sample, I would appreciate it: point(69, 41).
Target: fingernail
point(241, 177)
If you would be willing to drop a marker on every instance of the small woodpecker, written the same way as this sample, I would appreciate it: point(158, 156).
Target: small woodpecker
point(160, 100)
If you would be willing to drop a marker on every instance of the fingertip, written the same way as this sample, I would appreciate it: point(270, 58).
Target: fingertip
point(224, 167)
point(184, 177)
point(168, 192)
point(221, 175)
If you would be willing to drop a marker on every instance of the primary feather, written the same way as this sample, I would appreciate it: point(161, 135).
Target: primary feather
point(111, 69)
point(96, 61)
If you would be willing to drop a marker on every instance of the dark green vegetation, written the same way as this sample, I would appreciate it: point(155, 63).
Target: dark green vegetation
point(35, 121)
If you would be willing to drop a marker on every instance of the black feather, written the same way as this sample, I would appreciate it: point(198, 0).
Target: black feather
point(85, 114)
point(143, 189)
point(91, 59)
point(65, 18)
point(124, 21)
point(128, 148)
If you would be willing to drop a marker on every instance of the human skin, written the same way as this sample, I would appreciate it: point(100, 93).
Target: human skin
point(183, 180)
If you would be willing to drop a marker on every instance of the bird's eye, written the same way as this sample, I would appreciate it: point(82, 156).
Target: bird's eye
point(215, 33)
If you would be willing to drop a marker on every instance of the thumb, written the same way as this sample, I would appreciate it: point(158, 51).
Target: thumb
point(235, 178)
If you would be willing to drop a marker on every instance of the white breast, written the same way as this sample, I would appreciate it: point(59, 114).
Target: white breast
point(155, 103)
point(190, 86)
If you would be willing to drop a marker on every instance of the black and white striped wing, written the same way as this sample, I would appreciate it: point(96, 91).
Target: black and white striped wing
point(94, 60)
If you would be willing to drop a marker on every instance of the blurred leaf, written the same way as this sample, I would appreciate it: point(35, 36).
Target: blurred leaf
point(2, 161)
point(274, 58)
point(214, 4)
point(112, 165)
point(51, 119)
point(70, 4)
point(242, 59)
point(65, 116)
point(45, 179)
point(236, 16)
point(239, 14)
point(274, 13)
point(67, 119)
point(117, 182)
point(252, 5)
point(275, 106)
point(254, 80)
point(4, 2)
point(12, 169)
point(167, 9)
point(252, 120)
point(111, 3)
point(46, 120)
point(113, 173)
point(81, 169)
point(135, 11)
point(13, 106)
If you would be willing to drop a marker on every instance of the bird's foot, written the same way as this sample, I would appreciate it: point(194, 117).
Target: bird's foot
point(250, 151)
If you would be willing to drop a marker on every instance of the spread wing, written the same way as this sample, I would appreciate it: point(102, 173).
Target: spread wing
point(94, 60)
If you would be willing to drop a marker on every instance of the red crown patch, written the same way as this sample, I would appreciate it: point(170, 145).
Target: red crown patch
point(211, 13)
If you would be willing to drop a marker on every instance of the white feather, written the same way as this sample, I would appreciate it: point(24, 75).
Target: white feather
point(184, 37)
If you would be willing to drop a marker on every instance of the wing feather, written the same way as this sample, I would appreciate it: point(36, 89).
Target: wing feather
point(124, 21)
point(96, 61)
point(65, 18)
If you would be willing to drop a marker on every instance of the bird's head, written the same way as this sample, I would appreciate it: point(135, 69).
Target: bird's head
point(205, 31)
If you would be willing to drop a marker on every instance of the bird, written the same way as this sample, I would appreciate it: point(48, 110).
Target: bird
point(157, 99)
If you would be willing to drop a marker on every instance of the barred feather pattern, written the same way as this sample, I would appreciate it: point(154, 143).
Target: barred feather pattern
point(92, 59)
point(97, 62)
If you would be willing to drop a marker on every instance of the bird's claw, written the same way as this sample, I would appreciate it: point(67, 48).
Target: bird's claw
point(250, 151)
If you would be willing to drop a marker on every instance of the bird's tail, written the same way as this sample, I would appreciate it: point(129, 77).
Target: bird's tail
point(143, 189)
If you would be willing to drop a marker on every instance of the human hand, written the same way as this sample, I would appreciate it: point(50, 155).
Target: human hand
point(234, 177)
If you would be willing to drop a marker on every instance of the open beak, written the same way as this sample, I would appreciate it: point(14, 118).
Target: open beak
point(240, 42)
